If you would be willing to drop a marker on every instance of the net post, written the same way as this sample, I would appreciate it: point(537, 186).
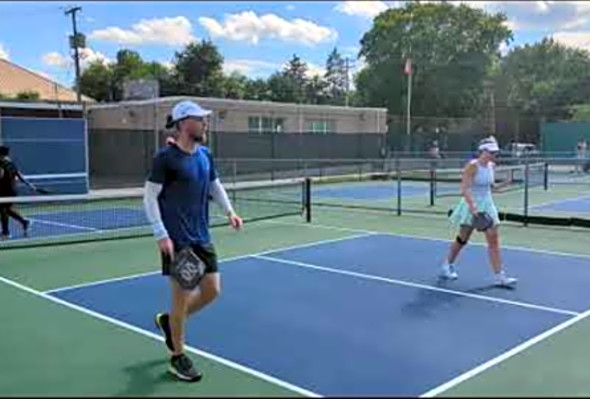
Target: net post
point(307, 199)
point(526, 192)
point(234, 173)
point(360, 170)
point(432, 183)
point(399, 186)
point(546, 176)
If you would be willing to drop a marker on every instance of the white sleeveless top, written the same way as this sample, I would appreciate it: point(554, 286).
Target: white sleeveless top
point(483, 180)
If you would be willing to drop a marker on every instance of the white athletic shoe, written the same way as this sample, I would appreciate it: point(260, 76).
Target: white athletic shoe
point(448, 271)
point(503, 280)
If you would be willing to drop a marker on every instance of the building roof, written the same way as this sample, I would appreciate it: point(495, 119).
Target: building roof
point(15, 79)
point(36, 105)
point(212, 101)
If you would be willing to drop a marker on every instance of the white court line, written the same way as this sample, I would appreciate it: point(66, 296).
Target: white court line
point(215, 358)
point(72, 226)
point(226, 260)
point(504, 356)
point(57, 176)
point(549, 203)
point(416, 285)
point(473, 243)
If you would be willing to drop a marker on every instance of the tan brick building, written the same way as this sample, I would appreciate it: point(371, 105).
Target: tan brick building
point(242, 116)
point(15, 79)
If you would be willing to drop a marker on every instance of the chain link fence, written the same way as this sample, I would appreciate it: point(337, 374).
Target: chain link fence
point(122, 158)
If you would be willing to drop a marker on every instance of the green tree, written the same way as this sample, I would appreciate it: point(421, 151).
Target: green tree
point(199, 70)
point(235, 86)
point(167, 82)
point(545, 79)
point(28, 95)
point(317, 92)
point(335, 77)
point(128, 65)
point(96, 81)
point(258, 89)
point(295, 75)
point(284, 88)
point(104, 82)
point(580, 113)
point(452, 49)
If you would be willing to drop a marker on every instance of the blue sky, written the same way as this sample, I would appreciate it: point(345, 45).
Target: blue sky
point(256, 38)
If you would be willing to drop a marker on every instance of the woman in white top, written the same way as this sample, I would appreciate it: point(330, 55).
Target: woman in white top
point(476, 189)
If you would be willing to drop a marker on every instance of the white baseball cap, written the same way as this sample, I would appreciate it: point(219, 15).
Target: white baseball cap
point(489, 144)
point(186, 109)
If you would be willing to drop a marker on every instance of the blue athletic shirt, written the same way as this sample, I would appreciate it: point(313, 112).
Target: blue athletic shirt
point(184, 200)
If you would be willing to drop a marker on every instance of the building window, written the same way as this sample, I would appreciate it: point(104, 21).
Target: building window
point(320, 126)
point(258, 124)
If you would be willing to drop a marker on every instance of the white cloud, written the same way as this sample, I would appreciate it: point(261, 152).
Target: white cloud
point(251, 28)
point(290, 7)
point(165, 31)
point(250, 67)
point(543, 15)
point(257, 68)
point(523, 15)
point(167, 64)
point(4, 53)
point(359, 65)
point(579, 40)
point(350, 51)
point(364, 9)
point(504, 48)
point(312, 69)
point(87, 55)
point(55, 59)
point(315, 70)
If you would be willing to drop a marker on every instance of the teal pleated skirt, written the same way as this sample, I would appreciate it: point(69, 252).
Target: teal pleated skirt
point(461, 216)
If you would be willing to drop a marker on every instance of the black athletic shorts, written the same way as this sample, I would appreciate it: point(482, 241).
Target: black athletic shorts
point(204, 251)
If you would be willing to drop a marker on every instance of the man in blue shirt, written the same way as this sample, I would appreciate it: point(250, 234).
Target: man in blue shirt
point(176, 199)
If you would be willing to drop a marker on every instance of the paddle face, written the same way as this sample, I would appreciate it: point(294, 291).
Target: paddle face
point(187, 269)
point(482, 221)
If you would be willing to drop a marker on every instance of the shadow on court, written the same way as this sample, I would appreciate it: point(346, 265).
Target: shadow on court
point(145, 377)
point(427, 301)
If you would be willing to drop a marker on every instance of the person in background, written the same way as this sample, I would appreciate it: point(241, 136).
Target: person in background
point(434, 151)
point(9, 174)
point(581, 154)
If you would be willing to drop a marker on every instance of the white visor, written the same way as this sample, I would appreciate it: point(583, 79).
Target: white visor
point(489, 146)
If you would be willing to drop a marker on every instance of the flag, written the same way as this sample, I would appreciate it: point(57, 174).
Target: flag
point(408, 67)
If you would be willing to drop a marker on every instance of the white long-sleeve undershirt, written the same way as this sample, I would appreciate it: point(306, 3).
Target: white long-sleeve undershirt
point(152, 208)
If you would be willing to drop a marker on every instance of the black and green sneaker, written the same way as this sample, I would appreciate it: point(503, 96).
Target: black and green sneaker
point(182, 367)
point(163, 323)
